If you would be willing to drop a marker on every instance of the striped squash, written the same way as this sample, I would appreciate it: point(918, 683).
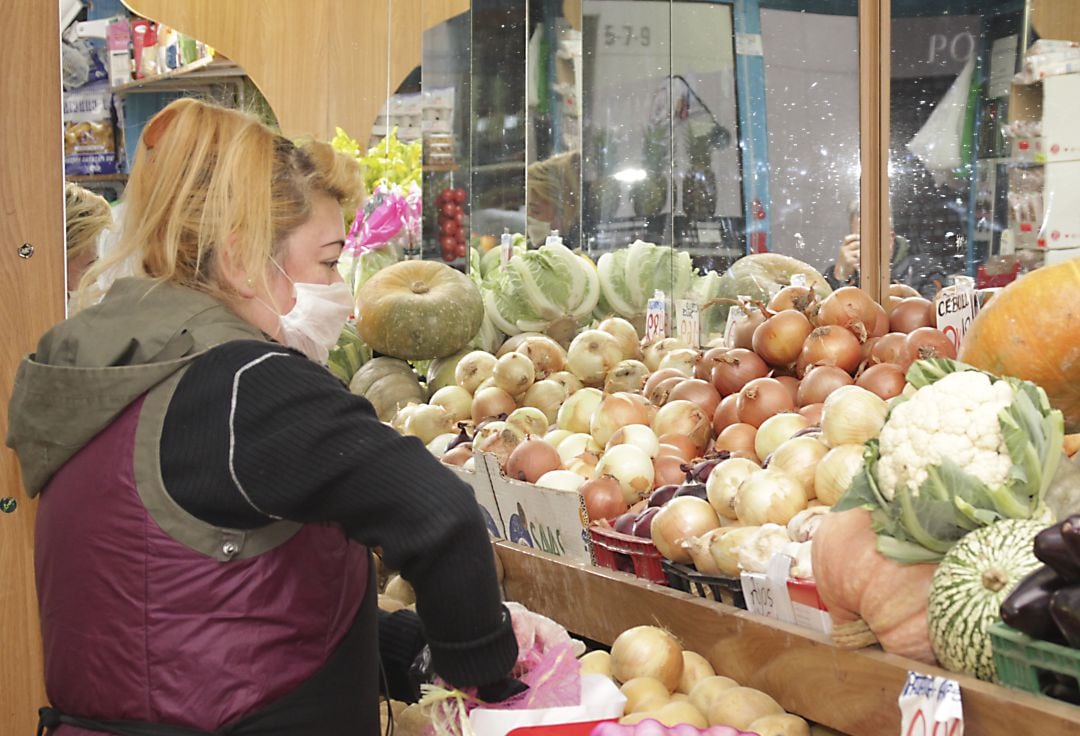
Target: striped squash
point(967, 590)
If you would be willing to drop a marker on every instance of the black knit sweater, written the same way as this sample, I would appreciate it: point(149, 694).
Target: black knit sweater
point(307, 450)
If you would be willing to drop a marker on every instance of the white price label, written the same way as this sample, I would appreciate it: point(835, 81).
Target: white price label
point(656, 318)
point(956, 308)
point(735, 315)
point(931, 706)
point(688, 326)
point(760, 596)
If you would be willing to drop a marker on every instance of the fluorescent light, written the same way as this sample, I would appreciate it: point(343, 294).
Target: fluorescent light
point(630, 175)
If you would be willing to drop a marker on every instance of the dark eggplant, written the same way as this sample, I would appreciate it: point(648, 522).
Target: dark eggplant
point(1027, 608)
point(1059, 687)
point(1059, 547)
point(1065, 611)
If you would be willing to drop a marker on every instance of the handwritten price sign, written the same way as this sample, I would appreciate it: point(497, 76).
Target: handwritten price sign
point(656, 318)
point(956, 308)
point(931, 706)
point(688, 326)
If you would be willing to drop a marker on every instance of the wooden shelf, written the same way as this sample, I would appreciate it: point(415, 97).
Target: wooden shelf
point(95, 178)
point(854, 692)
point(201, 72)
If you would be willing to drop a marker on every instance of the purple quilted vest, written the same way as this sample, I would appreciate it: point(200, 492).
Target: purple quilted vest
point(138, 626)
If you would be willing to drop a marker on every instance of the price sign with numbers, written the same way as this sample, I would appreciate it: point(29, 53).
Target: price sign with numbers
point(931, 706)
point(688, 326)
point(656, 318)
point(955, 309)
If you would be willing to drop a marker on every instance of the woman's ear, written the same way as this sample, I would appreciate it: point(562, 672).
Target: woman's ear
point(233, 272)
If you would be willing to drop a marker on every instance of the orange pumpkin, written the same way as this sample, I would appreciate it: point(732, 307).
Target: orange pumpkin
point(870, 598)
point(1029, 330)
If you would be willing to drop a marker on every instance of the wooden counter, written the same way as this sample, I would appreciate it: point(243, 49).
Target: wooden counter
point(852, 691)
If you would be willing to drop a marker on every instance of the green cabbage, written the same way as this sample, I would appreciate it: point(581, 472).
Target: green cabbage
point(538, 288)
point(630, 276)
point(493, 257)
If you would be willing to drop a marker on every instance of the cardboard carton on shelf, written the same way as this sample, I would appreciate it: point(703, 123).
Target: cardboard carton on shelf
point(480, 482)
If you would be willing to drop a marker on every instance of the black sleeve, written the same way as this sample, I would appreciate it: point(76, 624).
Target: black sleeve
point(830, 277)
point(306, 449)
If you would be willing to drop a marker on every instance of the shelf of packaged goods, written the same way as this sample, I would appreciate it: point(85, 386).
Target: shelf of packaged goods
point(204, 71)
point(854, 692)
point(95, 178)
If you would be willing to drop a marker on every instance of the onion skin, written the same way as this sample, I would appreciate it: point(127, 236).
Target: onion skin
point(762, 398)
point(849, 307)
point(819, 382)
point(531, 459)
point(681, 519)
point(603, 497)
point(737, 368)
point(910, 314)
point(779, 339)
point(813, 413)
point(709, 359)
point(684, 447)
point(726, 413)
point(884, 379)
point(830, 345)
point(738, 439)
point(699, 392)
point(928, 342)
point(661, 375)
point(667, 470)
point(687, 419)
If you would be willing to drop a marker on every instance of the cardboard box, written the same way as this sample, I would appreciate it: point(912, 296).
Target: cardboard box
point(547, 519)
point(1061, 216)
point(1060, 111)
point(480, 482)
point(1060, 255)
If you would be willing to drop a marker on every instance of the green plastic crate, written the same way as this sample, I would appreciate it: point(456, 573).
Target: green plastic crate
point(1019, 658)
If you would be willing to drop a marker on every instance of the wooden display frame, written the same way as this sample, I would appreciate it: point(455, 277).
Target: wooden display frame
point(852, 691)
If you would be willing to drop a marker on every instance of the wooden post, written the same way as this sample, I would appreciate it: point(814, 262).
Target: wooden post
point(875, 45)
point(32, 283)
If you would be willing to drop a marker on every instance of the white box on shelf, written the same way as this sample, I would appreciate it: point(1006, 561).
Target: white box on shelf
point(480, 482)
point(1061, 216)
point(547, 519)
point(1060, 111)
point(1060, 255)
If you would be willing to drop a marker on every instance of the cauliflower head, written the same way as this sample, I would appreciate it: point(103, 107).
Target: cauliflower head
point(955, 417)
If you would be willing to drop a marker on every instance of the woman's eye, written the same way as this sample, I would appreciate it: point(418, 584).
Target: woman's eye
point(333, 264)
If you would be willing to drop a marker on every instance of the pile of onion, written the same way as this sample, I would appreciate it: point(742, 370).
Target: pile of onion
point(647, 651)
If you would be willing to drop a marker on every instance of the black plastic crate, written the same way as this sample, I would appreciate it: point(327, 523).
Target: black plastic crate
point(722, 590)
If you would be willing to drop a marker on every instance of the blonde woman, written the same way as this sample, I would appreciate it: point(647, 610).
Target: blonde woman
point(86, 216)
point(208, 491)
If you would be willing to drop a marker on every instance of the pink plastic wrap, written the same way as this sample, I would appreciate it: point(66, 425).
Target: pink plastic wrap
point(649, 727)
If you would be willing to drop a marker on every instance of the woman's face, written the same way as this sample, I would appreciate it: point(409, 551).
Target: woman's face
point(311, 253)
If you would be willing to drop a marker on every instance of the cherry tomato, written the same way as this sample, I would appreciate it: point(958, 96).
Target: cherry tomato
point(458, 196)
point(461, 250)
point(448, 242)
point(451, 227)
point(460, 218)
point(441, 199)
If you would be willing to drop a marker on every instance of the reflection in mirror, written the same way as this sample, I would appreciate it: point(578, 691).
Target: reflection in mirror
point(952, 174)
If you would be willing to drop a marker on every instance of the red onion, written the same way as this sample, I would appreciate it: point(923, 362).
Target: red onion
point(662, 495)
point(911, 314)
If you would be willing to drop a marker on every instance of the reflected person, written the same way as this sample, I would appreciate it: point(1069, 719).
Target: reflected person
point(904, 261)
point(554, 199)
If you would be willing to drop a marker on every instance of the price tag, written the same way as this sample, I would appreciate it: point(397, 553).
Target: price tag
point(656, 318)
point(735, 315)
point(689, 325)
point(931, 706)
point(956, 307)
point(507, 247)
point(767, 594)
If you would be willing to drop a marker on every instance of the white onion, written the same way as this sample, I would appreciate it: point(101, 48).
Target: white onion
point(681, 359)
point(776, 430)
point(625, 334)
point(576, 412)
point(428, 421)
point(576, 444)
point(474, 369)
point(655, 351)
point(755, 551)
point(469, 466)
point(725, 548)
point(560, 480)
point(584, 465)
point(698, 549)
point(638, 435)
point(569, 381)
point(456, 400)
point(835, 471)
point(555, 436)
point(547, 356)
point(852, 415)
point(804, 524)
point(437, 446)
point(547, 396)
point(769, 496)
point(631, 467)
point(491, 401)
point(402, 415)
point(514, 373)
point(627, 375)
point(615, 411)
point(724, 481)
point(499, 439)
point(680, 519)
point(799, 457)
point(684, 418)
point(591, 355)
point(530, 420)
point(647, 651)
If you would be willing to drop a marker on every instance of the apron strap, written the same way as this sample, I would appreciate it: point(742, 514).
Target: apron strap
point(50, 718)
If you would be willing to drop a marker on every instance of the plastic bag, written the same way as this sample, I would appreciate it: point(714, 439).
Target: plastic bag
point(939, 143)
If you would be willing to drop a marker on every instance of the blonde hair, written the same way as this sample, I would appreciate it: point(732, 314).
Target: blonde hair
point(208, 179)
point(86, 215)
point(557, 181)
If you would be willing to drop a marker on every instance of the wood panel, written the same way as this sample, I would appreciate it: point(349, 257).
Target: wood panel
point(852, 691)
point(1057, 19)
point(31, 179)
point(875, 23)
point(319, 63)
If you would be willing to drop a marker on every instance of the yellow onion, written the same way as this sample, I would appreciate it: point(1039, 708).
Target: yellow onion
point(631, 467)
point(698, 549)
point(491, 401)
point(513, 373)
point(615, 411)
point(647, 651)
point(591, 355)
point(547, 396)
point(576, 444)
point(625, 334)
point(627, 375)
point(835, 471)
point(576, 412)
point(569, 381)
point(799, 457)
point(474, 369)
point(683, 359)
point(530, 420)
point(547, 356)
point(725, 548)
point(531, 459)
point(560, 480)
point(584, 465)
point(852, 415)
point(499, 439)
point(684, 418)
point(639, 435)
point(678, 520)
point(655, 351)
point(769, 496)
point(724, 481)
point(776, 430)
point(438, 446)
point(456, 400)
point(428, 421)
point(555, 436)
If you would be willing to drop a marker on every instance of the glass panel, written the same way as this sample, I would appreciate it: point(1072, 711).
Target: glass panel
point(951, 173)
point(811, 61)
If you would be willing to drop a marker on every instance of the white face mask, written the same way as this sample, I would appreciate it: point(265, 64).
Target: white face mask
point(314, 324)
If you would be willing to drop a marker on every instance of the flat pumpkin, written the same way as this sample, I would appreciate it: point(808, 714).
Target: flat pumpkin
point(419, 310)
point(1029, 330)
